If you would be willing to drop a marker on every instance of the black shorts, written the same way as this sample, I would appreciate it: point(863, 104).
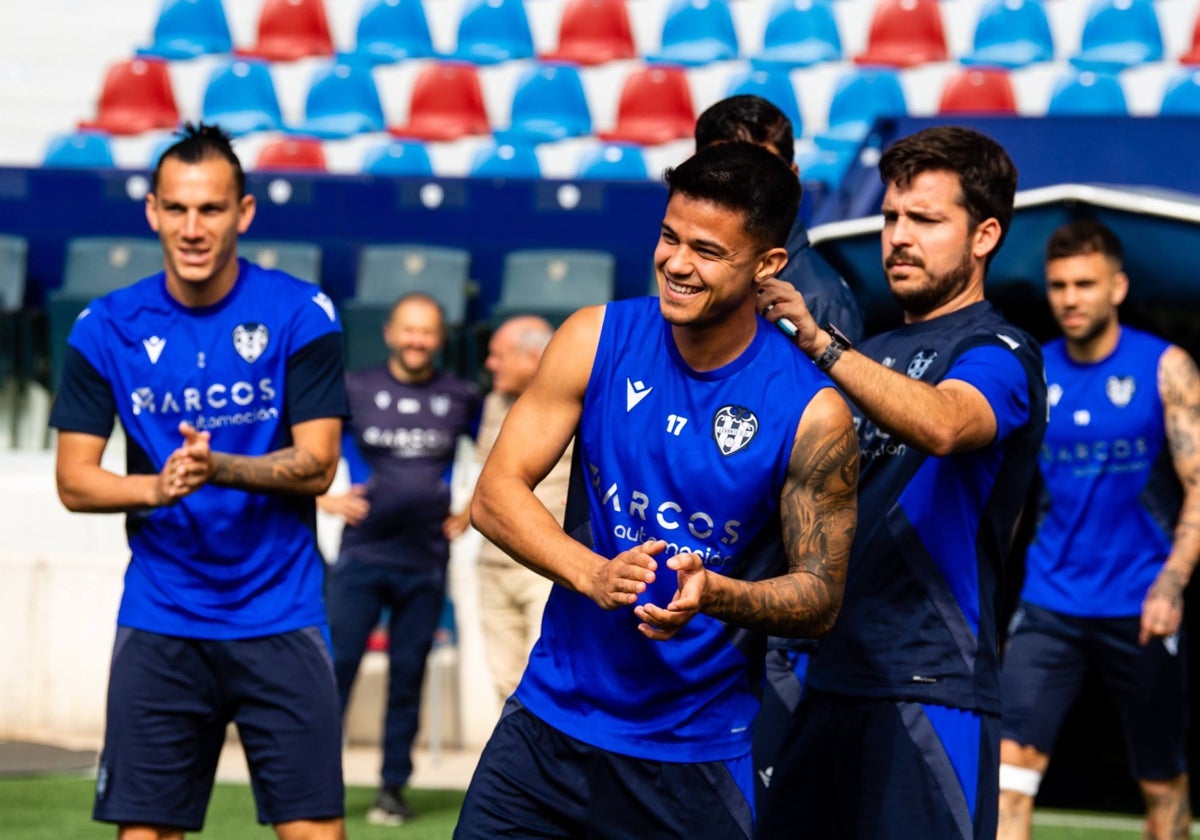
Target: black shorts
point(1047, 659)
point(169, 701)
point(533, 781)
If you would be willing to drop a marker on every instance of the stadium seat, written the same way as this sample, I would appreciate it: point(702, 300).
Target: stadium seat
point(697, 32)
point(446, 104)
point(296, 154)
point(553, 283)
point(189, 28)
point(775, 87)
point(492, 31)
point(13, 251)
point(860, 97)
point(825, 166)
point(392, 30)
point(1084, 92)
point(505, 160)
point(905, 33)
point(1182, 94)
point(398, 157)
point(240, 97)
point(612, 162)
point(548, 104)
point(1119, 34)
point(79, 150)
point(1011, 33)
point(593, 32)
point(299, 259)
point(136, 98)
point(655, 107)
point(799, 33)
point(342, 101)
point(385, 273)
point(94, 266)
point(978, 90)
point(291, 29)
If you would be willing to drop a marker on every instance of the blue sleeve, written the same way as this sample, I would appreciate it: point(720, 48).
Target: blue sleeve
point(84, 402)
point(360, 471)
point(316, 383)
point(1000, 377)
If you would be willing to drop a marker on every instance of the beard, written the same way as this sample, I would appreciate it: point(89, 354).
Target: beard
point(939, 289)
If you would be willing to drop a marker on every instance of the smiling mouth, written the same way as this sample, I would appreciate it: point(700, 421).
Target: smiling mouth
point(681, 290)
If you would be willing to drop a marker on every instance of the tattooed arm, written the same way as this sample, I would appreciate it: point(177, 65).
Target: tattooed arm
point(1179, 387)
point(818, 507)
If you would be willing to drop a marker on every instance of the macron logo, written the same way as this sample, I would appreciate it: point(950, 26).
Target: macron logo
point(154, 346)
point(635, 392)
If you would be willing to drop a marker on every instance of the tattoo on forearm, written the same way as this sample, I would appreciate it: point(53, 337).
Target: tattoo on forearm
point(1169, 585)
point(289, 470)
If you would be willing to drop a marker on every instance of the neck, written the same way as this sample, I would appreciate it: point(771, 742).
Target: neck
point(971, 293)
point(204, 292)
point(409, 377)
point(1099, 346)
point(711, 346)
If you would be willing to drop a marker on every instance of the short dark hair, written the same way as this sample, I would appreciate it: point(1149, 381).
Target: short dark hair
point(986, 174)
point(201, 141)
point(1086, 236)
point(745, 178)
point(748, 118)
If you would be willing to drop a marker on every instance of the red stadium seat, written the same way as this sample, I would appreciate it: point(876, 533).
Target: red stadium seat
point(299, 154)
point(136, 97)
point(291, 29)
point(978, 91)
point(1192, 56)
point(905, 33)
point(655, 107)
point(593, 32)
point(447, 103)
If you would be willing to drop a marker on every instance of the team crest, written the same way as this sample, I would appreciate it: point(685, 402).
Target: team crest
point(734, 426)
point(1119, 390)
point(250, 340)
point(382, 400)
point(920, 363)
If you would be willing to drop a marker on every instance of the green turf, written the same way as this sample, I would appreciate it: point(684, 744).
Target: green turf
point(60, 807)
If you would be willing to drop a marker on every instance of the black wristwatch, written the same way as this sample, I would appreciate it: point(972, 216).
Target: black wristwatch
point(838, 344)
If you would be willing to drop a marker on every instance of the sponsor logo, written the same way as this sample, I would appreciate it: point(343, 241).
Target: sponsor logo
point(409, 443)
point(920, 363)
point(734, 426)
point(250, 340)
point(1054, 394)
point(216, 397)
point(635, 392)
point(408, 405)
point(1082, 417)
point(1012, 343)
point(154, 346)
point(1119, 390)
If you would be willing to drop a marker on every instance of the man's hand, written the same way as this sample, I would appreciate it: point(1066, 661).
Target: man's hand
point(455, 524)
point(187, 469)
point(1162, 609)
point(662, 624)
point(352, 506)
point(619, 581)
point(779, 299)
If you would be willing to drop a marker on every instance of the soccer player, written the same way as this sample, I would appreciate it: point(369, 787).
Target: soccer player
point(899, 731)
point(406, 418)
point(713, 503)
point(227, 379)
point(1117, 540)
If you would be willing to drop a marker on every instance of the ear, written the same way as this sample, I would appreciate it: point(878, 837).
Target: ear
point(770, 264)
point(986, 238)
point(152, 211)
point(1120, 288)
point(246, 209)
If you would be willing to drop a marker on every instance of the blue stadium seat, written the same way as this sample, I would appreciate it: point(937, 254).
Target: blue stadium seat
point(860, 97)
point(240, 97)
point(505, 160)
point(613, 162)
point(1119, 34)
point(799, 33)
point(1011, 33)
point(1182, 94)
point(697, 32)
point(79, 150)
point(392, 30)
point(492, 31)
point(775, 87)
point(398, 157)
point(825, 166)
point(342, 101)
point(1084, 92)
point(189, 28)
point(548, 104)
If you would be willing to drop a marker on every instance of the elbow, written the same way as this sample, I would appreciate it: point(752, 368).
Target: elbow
point(480, 515)
point(940, 442)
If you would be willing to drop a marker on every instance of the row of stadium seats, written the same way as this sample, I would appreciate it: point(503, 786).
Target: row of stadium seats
point(796, 33)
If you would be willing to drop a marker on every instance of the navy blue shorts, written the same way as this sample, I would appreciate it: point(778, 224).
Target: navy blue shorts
point(169, 701)
point(533, 781)
point(880, 769)
point(1044, 668)
point(783, 686)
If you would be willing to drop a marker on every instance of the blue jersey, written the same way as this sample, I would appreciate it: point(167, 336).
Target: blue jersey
point(406, 434)
point(918, 620)
point(696, 459)
point(1110, 495)
point(220, 563)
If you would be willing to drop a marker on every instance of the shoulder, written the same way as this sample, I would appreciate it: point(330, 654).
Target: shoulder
point(290, 295)
point(459, 387)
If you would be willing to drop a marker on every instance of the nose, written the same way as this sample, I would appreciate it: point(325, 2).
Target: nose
point(677, 263)
point(191, 224)
point(898, 232)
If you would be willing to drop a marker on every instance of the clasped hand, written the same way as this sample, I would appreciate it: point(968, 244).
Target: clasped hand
point(188, 468)
point(620, 581)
